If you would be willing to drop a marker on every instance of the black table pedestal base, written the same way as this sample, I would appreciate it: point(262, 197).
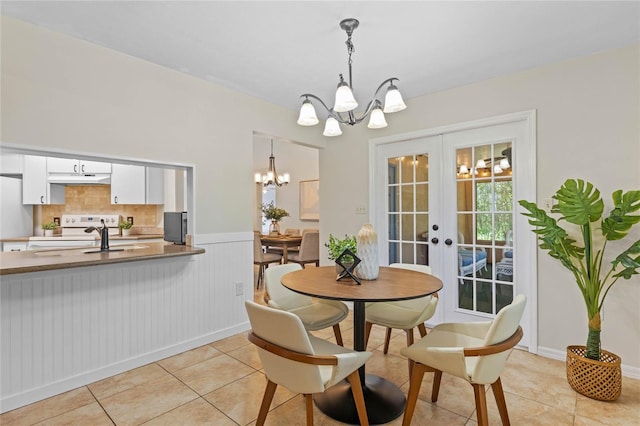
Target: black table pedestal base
point(383, 399)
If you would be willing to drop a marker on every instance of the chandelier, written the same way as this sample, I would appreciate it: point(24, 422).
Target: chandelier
point(345, 103)
point(272, 177)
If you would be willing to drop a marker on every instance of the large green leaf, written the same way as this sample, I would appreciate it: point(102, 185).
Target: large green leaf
point(551, 236)
point(629, 263)
point(578, 202)
point(619, 222)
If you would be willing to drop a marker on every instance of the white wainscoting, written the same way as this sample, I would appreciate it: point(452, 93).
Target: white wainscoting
point(68, 328)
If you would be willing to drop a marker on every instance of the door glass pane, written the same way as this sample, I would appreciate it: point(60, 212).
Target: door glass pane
point(407, 198)
point(394, 199)
point(407, 227)
point(422, 197)
point(422, 168)
point(408, 208)
point(406, 169)
point(485, 223)
point(394, 227)
point(394, 170)
point(407, 253)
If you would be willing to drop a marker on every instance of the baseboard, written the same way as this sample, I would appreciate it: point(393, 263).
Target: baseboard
point(627, 370)
point(30, 396)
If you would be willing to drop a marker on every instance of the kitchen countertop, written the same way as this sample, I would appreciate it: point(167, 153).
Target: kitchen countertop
point(111, 237)
point(46, 260)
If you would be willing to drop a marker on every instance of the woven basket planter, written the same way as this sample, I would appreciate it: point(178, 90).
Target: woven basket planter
point(601, 380)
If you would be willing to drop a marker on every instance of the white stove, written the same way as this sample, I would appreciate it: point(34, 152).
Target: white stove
point(73, 235)
point(75, 224)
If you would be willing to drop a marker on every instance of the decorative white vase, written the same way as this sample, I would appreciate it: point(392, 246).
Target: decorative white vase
point(368, 253)
point(125, 232)
point(48, 232)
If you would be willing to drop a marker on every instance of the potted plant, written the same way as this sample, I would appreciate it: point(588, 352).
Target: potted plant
point(336, 246)
point(591, 371)
point(49, 228)
point(275, 215)
point(125, 227)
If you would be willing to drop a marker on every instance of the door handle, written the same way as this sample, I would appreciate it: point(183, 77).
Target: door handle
point(434, 240)
point(115, 200)
point(448, 241)
point(42, 199)
point(83, 168)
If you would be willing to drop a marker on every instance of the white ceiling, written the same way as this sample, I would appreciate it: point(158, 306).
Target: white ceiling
point(278, 50)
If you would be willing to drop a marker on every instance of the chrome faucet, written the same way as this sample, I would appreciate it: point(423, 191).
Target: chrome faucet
point(104, 235)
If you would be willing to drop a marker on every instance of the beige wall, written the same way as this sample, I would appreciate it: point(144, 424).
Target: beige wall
point(588, 127)
point(58, 92)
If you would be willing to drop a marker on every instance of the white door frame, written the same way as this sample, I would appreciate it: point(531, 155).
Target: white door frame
point(525, 188)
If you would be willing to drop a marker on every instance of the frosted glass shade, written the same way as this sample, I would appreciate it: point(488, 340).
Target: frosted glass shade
point(463, 169)
point(377, 120)
point(308, 115)
point(344, 99)
point(332, 127)
point(393, 100)
point(481, 164)
point(504, 164)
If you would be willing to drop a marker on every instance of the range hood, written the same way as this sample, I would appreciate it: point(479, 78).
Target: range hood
point(80, 179)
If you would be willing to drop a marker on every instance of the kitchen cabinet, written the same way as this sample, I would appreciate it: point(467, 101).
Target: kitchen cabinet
point(35, 187)
point(14, 246)
point(136, 184)
point(69, 165)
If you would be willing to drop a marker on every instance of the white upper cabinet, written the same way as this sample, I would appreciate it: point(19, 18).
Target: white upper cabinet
point(136, 184)
point(69, 165)
point(35, 187)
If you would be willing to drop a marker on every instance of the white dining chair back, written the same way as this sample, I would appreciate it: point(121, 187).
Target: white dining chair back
point(299, 361)
point(473, 351)
point(281, 297)
point(403, 314)
point(315, 314)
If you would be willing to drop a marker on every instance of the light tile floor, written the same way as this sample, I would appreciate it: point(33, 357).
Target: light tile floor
point(222, 384)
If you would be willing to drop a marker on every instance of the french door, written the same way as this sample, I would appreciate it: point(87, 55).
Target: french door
point(448, 199)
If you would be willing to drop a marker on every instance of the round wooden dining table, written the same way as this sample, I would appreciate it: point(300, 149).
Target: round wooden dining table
point(383, 399)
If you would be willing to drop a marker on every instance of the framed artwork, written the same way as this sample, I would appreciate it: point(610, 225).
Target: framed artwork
point(310, 199)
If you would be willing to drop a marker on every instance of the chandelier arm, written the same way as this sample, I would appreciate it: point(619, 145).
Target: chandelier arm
point(330, 111)
point(309, 95)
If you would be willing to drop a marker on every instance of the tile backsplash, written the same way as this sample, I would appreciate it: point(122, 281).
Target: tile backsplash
point(97, 199)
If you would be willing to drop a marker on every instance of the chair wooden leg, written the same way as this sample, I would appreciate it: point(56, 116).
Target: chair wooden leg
point(498, 393)
point(435, 389)
point(387, 338)
point(266, 402)
point(422, 329)
point(367, 333)
point(415, 381)
point(358, 397)
point(308, 399)
point(409, 336)
point(338, 334)
point(481, 404)
point(260, 275)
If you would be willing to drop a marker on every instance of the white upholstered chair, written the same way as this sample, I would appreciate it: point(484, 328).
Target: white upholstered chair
point(261, 258)
point(309, 250)
point(474, 351)
point(404, 314)
point(315, 314)
point(299, 361)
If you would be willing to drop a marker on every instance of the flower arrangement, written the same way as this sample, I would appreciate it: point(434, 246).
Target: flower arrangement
point(336, 246)
point(271, 212)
